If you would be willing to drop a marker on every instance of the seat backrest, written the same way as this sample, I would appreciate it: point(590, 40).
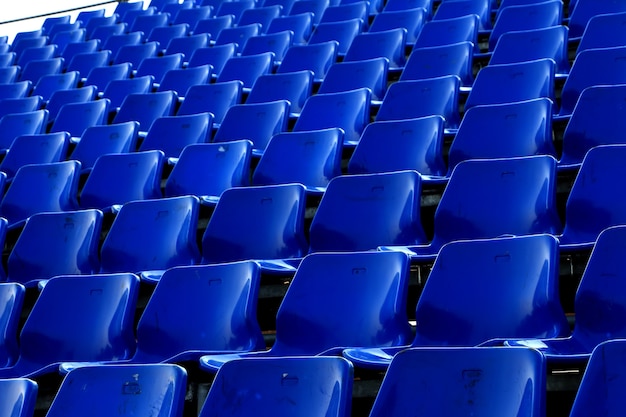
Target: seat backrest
point(586, 9)
point(247, 68)
point(261, 14)
point(101, 76)
point(12, 299)
point(192, 16)
point(17, 89)
point(441, 60)
point(389, 203)
point(363, 303)
point(163, 34)
point(37, 52)
point(20, 105)
point(9, 74)
point(481, 8)
point(295, 87)
point(42, 148)
point(146, 108)
point(135, 53)
point(222, 299)
point(342, 32)
point(317, 58)
point(37, 68)
point(104, 139)
point(388, 44)
point(603, 31)
point(139, 389)
point(464, 381)
point(213, 25)
point(115, 42)
point(277, 43)
point(447, 31)
point(142, 235)
point(216, 56)
point(503, 274)
point(146, 22)
point(345, 76)
point(180, 80)
point(238, 34)
point(76, 117)
point(56, 244)
point(103, 33)
point(17, 124)
point(187, 44)
point(18, 397)
point(303, 386)
point(48, 84)
point(70, 95)
point(263, 222)
point(215, 98)
point(234, 9)
point(300, 24)
point(159, 65)
point(170, 134)
point(116, 90)
point(412, 20)
point(315, 7)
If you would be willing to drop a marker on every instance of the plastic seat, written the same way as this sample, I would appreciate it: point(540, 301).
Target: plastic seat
point(86, 15)
point(74, 48)
point(458, 8)
point(237, 34)
point(146, 22)
point(76, 117)
point(57, 28)
point(101, 76)
point(99, 21)
point(388, 44)
point(396, 5)
point(187, 44)
point(505, 83)
point(104, 139)
point(348, 110)
point(381, 297)
point(48, 84)
point(12, 299)
point(294, 87)
point(180, 80)
point(145, 108)
point(170, 134)
point(216, 56)
point(247, 68)
point(206, 170)
point(49, 22)
point(262, 15)
point(141, 236)
point(412, 20)
point(316, 8)
point(278, 43)
point(136, 53)
point(346, 76)
point(596, 120)
point(421, 98)
point(310, 158)
point(62, 39)
point(215, 98)
point(213, 25)
point(38, 188)
point(509, 196)
point(20, 44)
point(234, 9)
point(35, 149)
point(116, 42)
point(164, 5)
point(390, 202)
point(284, 4)
point(18, 397)
point(316, 58)
point(35, 69)
point(122, 8)
point(173, 7)
point(103, 33)
point(499, 381)
point(396, 145)
point(159, 65)
point(282, 386)
point(119, 178)
point(602, 31)
point(117, 90)
point(7, 59)
point(71, 95)
point(502, 273)
point(342, 32)
point(96, 313)
point(164, 34)
point(20, 105)
point(54, 244)
point(347, 11)
point(439, 61)
point(9, 74)
point(300, 24)
point(447, 31)
point(18, 124)
point(263, 120)
point(37, 53)
point(586, 9)
point(603, 66)
point(86, 61)
point(192, 16)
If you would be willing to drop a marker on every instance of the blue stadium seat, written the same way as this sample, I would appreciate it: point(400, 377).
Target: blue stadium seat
point(388, 44)
point(447, 31)
point(213, 25)
point(164, 34)
point(115, 42)
point(18, 397)
point(180, 80)
point(262, 15)
point(396, 5)
point(9, 74)
point(586, 9)
point(20, 44)
point(50, 21)
point(316, 58)
point(74, 48)
point(117, 90)
point(237, 34)
point(86, 15)
point(20, 105)
point(145, 108)
point(439, 61)
point(346, 11)
point(95, 22)
point(101, 76)
point(145, 23)
point(247, 68)
point(158, 66)
point(171, 134)
point(84, 62)
point(48, 84)
point(104, 32)
point(216, 56)
point(278, 43)
point(76, 117)
point(342, 32)
point(192, 16)
point(300, 24)
point(62, 39)
point(215, 98)
point(135, 53)
point(44, 148)
point(187, 44)
point(412, 20)
point(15, 90)
point(234, 9)
point(7, 59)
point(37, 52)
point(16, 124)
point(603, 31)
point(12, 299)
point(71, 95)
point(346, 76)
point(295, 87)
point(458, 8)
point(310, 6)
point(35, 69)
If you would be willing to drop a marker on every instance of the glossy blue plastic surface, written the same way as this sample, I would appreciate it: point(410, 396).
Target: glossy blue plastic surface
point(342, 32)
point(206, 170)
point(76, 117)
point(603, 31)
point(311, 158)
point(78, 318)
point(152, 235)
point(237, 34)
point(215, 98)
point(388, 203)
point(505, 83)
point(264, 223)
point(101, 76)
point(163, 34)
point(85, 50)
point(102, 391)
point(105, 139)
point(301, 386)
point(421, 98)
point(99, 21)
point(38, 188)
point(135, 53)
point(171, 134)
point(348, 110)
point(363, 305)
point(604, 66)
point(346, 76)
point(316, 7)
point(36, 69)
point(448, 31)
point(20, 105)
point(439, 61)
point(346, 11)
point(64, 38)
point(56, 244)
point(37, 52)
point(119, 178)
point(300, 24)
point(388, 44)
point(463, 382)
point(35, 149)
point(18, 397)
point(145, 108)
point(278, 43)
point(116, 41)
point(261, 14)
point(213, 25)
point(246, 68)
point(586, 9)
point(187, 44)
point(316, 57)
point(458, 8)
point(9, 74)
point(157, 66)
point(198, 309)
point(180, 80)
point(70, 95)
point(192, 16)
point(514, 287)
point(17, 124)
point(16, 90)
point(234, 9)
point(103, 33)
point(294, 87)
point(11, 300)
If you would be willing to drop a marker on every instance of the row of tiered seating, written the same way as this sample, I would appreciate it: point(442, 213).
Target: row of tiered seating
point(168, 166)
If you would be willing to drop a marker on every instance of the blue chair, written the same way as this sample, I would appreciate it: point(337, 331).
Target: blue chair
point(20, 105)
point(49, 84)
point(192, 16)
point(40, 188)
point(263, 120)
point(15, 90)
point(412, 20)
point(529, 45)
point(71, 95)
point(84, 47)
point(18, 397)
point(311, 158)
point(264, 223)
point(396, 5)
point(312, 322)
point(146, 22)
point(396, 145)
point(602, 66)
point(300, 24)
point(62, 27)
point(439, 61)
point(346, 11)
point(278, 43)
point(284, 4)
point(206, 170)
point(86, 15)
point(146, 108)
point(141, 389)
point(76, 117)
point(99, 21)
point(101, 76)
point(54, 244)
point(388, 44)
point(447, 31)
point(502, 274)
point(342, 32)
point(180, 80)
point(216, 56)
point(158, 66)
point(171, 134)
point(93, 322)
point(44, 148)
point(388, 202)
point(7, 59)
point(602, 31)
point(9, 74)
point(22, 43)
point(282, 386)
point(141, 236)
point(585, 10)
point(487, 198)
point(12, 299)
point(187, 44)
point(421, 98)
point(317, 58)
point(37, 52)
point(117, 90)
point(505, 83)
point(104, 32)
point(345, 76)
point(135, 53)
point(262, 15)
point(35, 69)
point(213, 25)
point(238, 35)
point(122, 8)
point(115, 42)
point(164, 34)
point(458, 8)
point(234, 9)
point(595, 121)
point(316, 8)
point(348, 110)
point(17, 124)
point(66, 37)
point(295, 87)
point(104, 139)
point(119, 178)
point(247, 68)
point(215, 98)
point(49, 22)
point(463, 381)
